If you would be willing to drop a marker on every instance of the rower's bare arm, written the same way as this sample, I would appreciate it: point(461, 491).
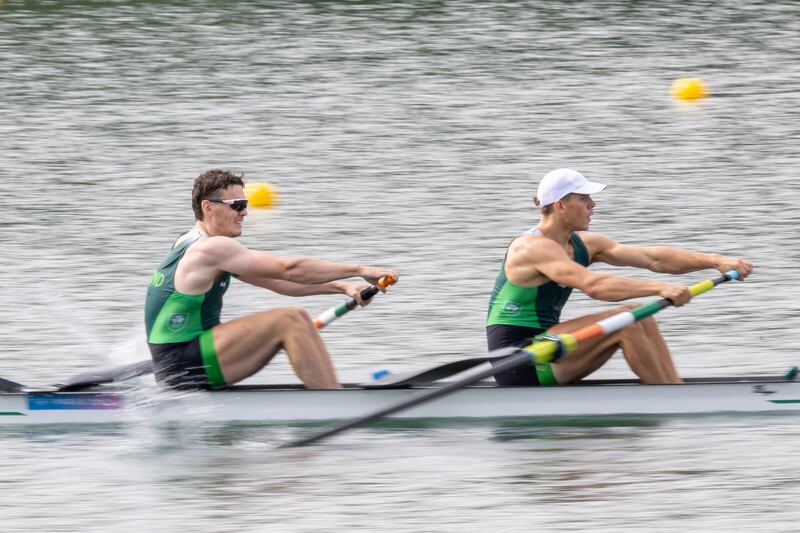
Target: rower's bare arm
point(289, 288)
point(226, 254)
point(663, 258)
point(550, 260)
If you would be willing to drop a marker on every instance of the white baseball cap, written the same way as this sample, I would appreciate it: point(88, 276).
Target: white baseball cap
point(558, 183)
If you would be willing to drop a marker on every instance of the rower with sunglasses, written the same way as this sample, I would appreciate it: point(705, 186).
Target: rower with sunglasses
point(191, 348)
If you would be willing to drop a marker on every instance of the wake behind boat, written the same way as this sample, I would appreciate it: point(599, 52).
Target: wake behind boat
point(293, 403)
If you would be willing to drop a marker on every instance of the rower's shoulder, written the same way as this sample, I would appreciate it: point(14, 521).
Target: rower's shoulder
point(182, 238)
point(532, 244)
point(214, 246)
point(525, 240)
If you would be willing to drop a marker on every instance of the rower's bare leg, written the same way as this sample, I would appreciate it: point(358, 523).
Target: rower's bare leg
point(245, 345)
point(309, 357)
point(642, 344)
point(588, 356)
point(641, 354)
point(653, 333)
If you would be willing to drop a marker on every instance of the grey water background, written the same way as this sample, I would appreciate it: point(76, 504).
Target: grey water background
point(410, 135)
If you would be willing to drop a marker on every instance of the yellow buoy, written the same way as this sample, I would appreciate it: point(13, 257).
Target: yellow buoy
point(261, 194)
point(688, 88)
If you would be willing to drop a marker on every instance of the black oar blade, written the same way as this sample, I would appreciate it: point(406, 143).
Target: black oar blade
point(6, 385)
point(436, 373)
point(111, 375)
point(520, 358)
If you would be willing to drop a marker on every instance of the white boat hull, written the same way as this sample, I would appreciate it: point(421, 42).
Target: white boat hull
point(293, 404)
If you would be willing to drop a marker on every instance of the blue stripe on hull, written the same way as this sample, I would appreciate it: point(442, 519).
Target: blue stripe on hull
point(80, 402)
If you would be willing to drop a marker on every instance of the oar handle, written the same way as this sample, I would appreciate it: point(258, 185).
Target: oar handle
point(371, 291)
point(333, 313)
point(707, 285)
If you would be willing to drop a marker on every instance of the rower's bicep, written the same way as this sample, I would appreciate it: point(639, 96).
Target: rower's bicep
point(249, 264)
point(566, 272)
point(542, 260)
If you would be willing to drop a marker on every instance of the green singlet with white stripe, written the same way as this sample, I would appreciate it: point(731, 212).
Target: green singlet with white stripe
point(174, 317)
point(532, 307)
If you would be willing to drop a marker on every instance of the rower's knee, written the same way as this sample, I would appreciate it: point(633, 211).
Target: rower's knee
point(633, 331)
point(648, 321)
point(296, 316)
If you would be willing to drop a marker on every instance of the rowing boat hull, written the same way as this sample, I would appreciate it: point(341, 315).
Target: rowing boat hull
point(278, 404)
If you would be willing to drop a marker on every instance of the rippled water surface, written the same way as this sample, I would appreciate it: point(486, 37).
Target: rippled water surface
point(409, 135)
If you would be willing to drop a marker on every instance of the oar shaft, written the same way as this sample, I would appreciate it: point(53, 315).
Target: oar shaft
point(545, 351)
point(326, 317)
point(505, 364)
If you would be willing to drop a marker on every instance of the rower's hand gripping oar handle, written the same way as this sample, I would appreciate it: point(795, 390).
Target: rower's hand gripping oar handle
point(732, 274)
point(371, 291)
point(333, 313)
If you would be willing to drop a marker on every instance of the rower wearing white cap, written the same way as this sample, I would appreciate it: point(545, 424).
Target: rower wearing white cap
point(542, 267)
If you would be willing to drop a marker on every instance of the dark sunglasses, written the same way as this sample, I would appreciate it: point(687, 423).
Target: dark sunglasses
point(240, 204)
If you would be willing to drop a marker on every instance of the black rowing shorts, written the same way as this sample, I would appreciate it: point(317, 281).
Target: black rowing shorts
point(503, 336)
point(180, 365)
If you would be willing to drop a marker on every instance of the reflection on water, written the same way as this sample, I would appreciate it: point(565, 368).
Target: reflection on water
point(566, 429)
point(443, 471)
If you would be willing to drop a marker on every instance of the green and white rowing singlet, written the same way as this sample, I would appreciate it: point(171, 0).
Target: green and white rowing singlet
point(171, 316)
point(533, 307)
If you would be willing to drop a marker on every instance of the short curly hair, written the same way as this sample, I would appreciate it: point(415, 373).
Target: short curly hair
point(208, 183)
